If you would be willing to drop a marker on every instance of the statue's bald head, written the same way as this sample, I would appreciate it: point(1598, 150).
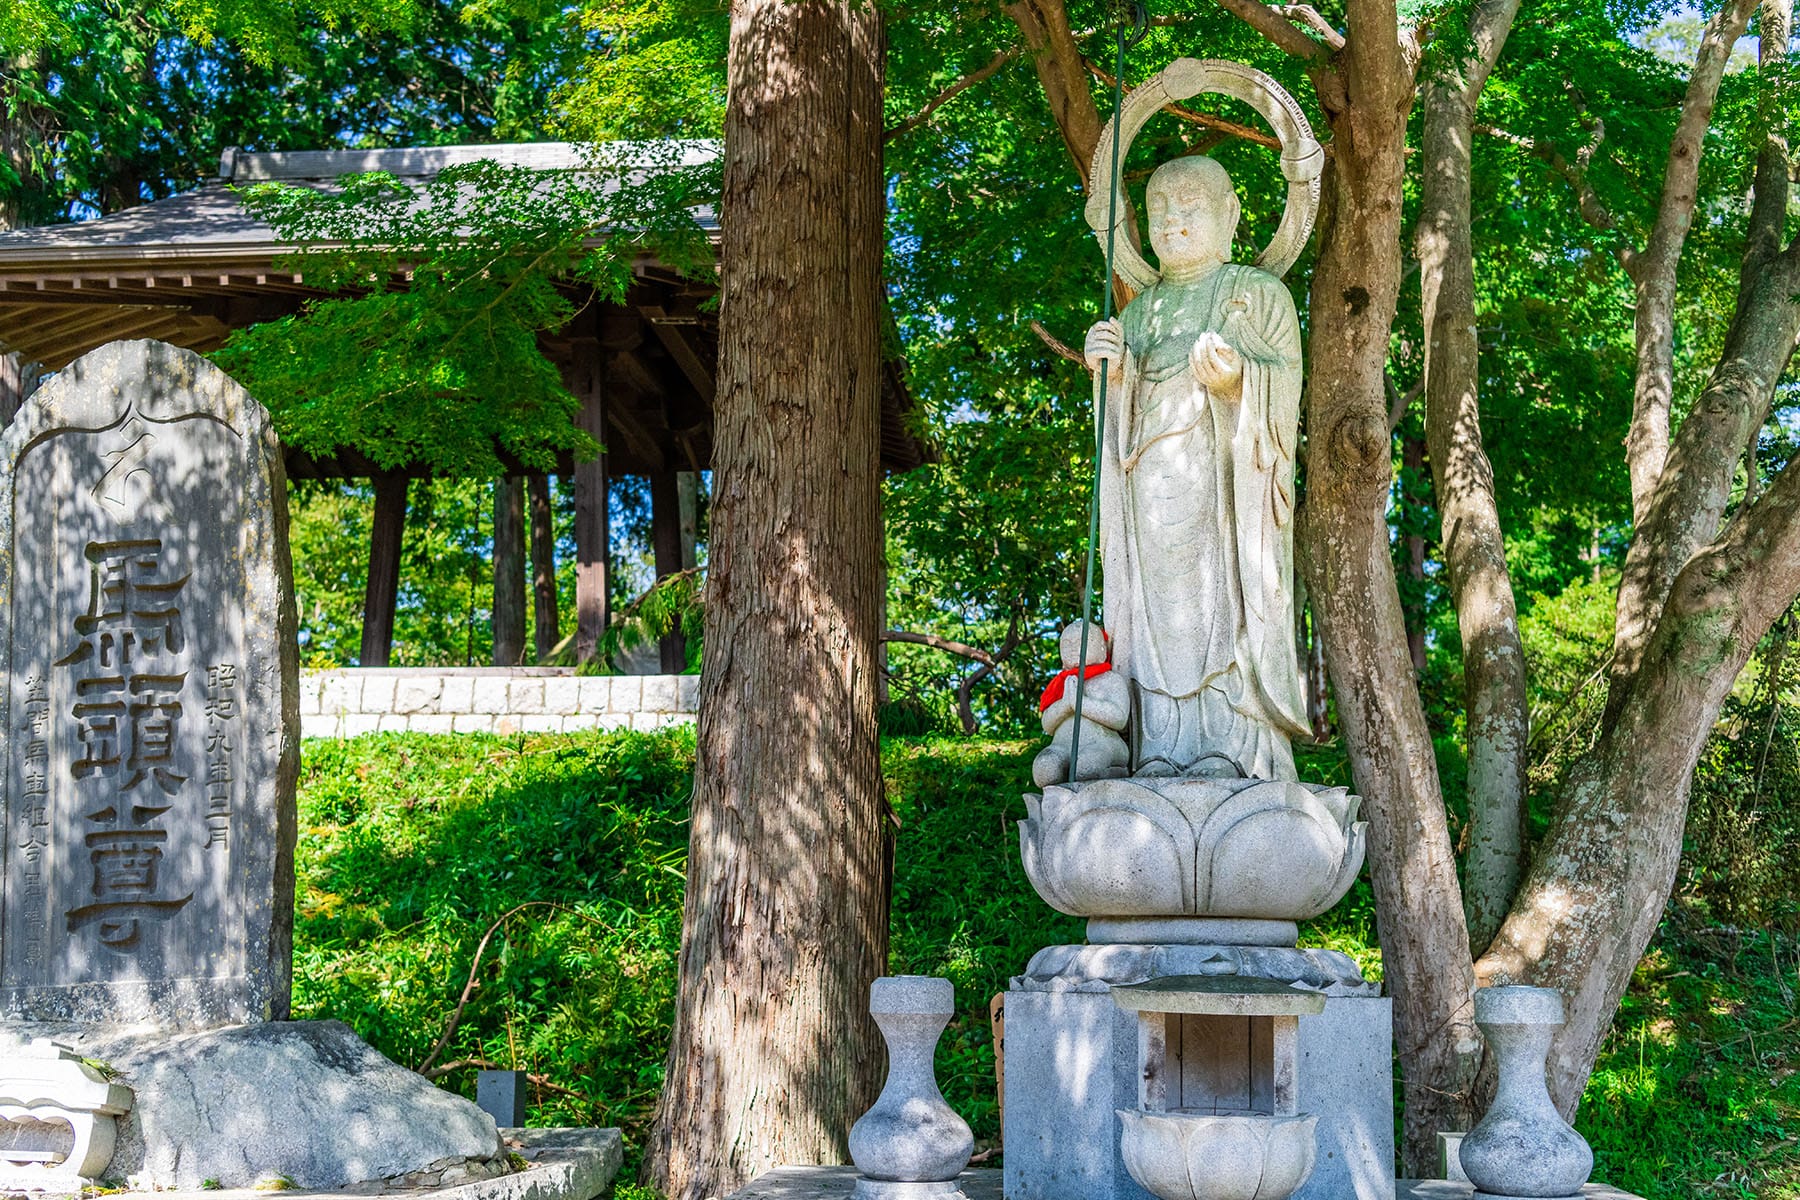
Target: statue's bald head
point(1193, 212)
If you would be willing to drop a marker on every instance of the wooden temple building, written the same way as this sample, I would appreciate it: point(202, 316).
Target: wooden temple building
point(191, 268)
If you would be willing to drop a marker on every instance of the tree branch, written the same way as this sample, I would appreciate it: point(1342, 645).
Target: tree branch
point(968, 81)
point(1306, 14)
point(1199, 118)
point(1272, 24)
point(1647, 440)
point(1587, 201)
point(1399, 401)
point(469, 987)
point(1768, 211)
point(939, 643)
point(1058, 346)
point(965, 707)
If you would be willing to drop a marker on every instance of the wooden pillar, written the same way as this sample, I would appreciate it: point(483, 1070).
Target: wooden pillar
point(385, 535)
point(593, 533)
point(18, 379)
point(509, 571)
point(687, 485)
point(665, 527)
point(545, 623)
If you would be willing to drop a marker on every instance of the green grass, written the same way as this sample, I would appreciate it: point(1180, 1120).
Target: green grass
point(571, 849)
point(1696, 1092)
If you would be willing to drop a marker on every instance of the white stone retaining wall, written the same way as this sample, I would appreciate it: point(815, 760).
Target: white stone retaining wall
point(489, 700)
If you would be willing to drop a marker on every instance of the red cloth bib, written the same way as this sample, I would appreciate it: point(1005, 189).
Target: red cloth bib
point(1059, 682)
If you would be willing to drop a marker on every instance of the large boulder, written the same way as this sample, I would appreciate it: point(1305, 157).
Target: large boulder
point(305, 1101)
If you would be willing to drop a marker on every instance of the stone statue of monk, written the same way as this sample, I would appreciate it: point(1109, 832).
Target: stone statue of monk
point(1197, 494)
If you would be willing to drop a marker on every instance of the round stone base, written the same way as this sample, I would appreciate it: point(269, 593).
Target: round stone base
point(893, 1189)
point(1191, 931)
point(1481, 1195)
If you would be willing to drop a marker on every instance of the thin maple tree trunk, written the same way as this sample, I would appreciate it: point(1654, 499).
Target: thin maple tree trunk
point(1355, 291)
point(1495, 698)
point(1063, 73)
point(1412, 499)
point(1653, 271)
point(1648, 574)
point(784, 926)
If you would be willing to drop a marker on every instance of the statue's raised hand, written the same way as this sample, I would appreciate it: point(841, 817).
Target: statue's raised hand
point(1218, 367)
point(1106, 340)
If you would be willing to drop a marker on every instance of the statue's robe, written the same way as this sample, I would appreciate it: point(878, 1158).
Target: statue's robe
point(1197, 530)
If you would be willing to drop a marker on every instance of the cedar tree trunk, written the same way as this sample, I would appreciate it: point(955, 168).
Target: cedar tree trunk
point(785, 923)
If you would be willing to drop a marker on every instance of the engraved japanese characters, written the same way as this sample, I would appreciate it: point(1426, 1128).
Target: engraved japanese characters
point(150, 698)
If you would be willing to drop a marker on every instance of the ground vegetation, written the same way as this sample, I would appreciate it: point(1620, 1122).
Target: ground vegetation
point(515, 902)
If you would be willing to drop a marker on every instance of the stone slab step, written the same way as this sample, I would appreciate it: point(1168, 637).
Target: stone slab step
point(565, 1164)
point(836, 1183)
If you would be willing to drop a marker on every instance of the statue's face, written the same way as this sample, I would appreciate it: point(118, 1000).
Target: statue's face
point(1193, 212)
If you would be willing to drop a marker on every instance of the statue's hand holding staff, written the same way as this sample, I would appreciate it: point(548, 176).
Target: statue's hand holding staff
point(1218, 367)
point(1106, 340)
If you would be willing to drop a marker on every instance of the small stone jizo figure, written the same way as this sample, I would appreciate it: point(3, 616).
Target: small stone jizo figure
point(1105, 709)
point(1197, 494)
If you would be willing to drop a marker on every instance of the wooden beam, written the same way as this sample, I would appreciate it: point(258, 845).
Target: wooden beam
point(509, 571)
point(58, 352)
point(676, 336)
point(593, 533)
point(386, 533)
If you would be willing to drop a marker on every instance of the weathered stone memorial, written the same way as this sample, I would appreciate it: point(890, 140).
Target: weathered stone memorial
point(149, 691)
point(150, 698)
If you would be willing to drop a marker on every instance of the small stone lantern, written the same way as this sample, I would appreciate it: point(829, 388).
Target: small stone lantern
point(57, 1118)
point(911, 1145)
point(1218, 1110)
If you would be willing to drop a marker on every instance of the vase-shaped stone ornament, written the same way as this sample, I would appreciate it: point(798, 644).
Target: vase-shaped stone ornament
point(1523, 1147)
point(912, 1144)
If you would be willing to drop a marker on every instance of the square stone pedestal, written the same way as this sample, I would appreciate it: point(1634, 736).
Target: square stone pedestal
point(1071, 1060)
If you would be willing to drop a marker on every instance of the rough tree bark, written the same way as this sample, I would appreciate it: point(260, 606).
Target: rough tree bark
point(509, 571)
point(785, 921)
point(1473, 547)
point(1598, 884)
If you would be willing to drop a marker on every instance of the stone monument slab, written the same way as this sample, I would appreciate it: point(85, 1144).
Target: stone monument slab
point(148, 693)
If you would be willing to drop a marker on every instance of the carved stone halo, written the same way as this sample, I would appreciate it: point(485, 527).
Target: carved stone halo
point(1302, 158)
